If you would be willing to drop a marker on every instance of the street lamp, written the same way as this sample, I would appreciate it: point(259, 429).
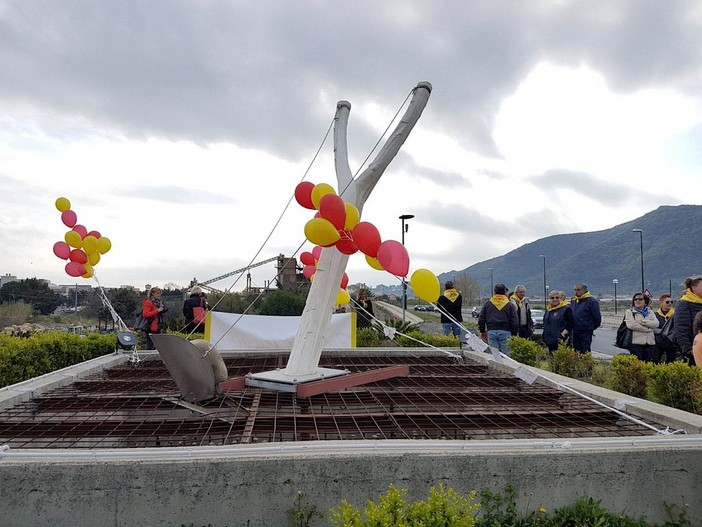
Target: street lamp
point(615, 282)
point(640, 231)
point(545, 292)
point(405, 227)
point(492, 286)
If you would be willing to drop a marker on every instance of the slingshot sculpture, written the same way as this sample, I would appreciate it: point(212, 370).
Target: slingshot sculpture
point(303, 363)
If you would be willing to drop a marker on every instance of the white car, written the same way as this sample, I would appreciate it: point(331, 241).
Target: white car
point(537, 315)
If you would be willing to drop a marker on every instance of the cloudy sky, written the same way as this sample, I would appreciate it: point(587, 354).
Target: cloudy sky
point(179, 129)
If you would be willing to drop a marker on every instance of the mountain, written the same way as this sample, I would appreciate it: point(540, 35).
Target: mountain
point(671, 253)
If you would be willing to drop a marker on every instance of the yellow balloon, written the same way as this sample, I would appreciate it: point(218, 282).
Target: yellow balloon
point(73, 239)
point(94, 258)
point(88, 271)
point(104, 244)
point(343, 297)
point(425, 285)
point(375, 264)
point(90, 244)
point(319, 191)
point(62, 204)
point(321, 232)
point(352, 216)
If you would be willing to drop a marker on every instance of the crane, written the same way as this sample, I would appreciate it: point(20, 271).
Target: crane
point(206, 283)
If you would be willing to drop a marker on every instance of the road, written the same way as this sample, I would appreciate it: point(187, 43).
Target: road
point(603, 341)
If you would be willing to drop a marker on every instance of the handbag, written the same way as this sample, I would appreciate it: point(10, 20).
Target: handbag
point(141, 323)
point(624, 336)
point(199, 313)
point(668, 329)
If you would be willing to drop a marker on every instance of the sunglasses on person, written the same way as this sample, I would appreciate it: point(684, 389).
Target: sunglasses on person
point(554, 298)
point(668, 302)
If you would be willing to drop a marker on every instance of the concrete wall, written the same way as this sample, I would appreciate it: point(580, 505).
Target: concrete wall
point(259, 490)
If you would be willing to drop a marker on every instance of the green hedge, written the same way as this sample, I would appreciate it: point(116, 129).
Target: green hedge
point(25, 358)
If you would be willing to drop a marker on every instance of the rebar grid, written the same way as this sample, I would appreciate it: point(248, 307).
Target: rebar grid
point(129, 407)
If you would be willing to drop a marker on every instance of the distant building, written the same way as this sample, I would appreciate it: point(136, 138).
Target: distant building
point(72, 289)
point(7, 278)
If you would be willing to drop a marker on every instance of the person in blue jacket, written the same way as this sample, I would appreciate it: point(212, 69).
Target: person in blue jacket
point(586, 318)
point(558, 321)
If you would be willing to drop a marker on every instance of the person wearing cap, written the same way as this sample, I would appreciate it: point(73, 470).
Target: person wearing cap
point(451, 307)
point(498, 320)
point(586, 318)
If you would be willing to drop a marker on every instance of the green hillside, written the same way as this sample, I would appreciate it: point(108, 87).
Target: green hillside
point(672, 252)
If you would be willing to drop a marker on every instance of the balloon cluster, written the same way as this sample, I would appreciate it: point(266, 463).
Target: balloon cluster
point(337, 223)
point(82, 248)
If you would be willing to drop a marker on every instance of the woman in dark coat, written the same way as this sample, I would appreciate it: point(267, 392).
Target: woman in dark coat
point(558, 321)
point(364, 311)
point(690, 304)
point(196, 299)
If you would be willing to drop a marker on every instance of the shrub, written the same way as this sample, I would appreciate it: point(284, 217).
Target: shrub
point(367, 338)
point(443, 507)
point(566, 361)
point(417, 338)
point(15, 313)
point(677, 385)
point(25, 358)
point(524, 350)
point(629, 375)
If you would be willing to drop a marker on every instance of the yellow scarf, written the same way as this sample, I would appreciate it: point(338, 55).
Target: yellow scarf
point(667, 315)
point(518, 300)
point(499, 301)
point(451, 294)
point(689, 296)
point(558, 306)
point(585, 295)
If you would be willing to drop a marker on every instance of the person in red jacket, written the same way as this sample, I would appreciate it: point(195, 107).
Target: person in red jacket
point(153, 310)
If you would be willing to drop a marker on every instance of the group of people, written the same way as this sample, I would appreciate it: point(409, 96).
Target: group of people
point(153, 310)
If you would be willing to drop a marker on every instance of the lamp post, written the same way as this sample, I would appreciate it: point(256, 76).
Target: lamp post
point(492, 286)
point(640, 231)
point(404, 218)
point(615, 282)
point(545, 292)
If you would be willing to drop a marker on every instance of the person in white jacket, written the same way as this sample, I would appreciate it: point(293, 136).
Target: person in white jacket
point(641, 320)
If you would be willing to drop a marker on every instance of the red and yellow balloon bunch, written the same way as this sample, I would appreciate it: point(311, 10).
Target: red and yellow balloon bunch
point(337, 223)
point(82, 248)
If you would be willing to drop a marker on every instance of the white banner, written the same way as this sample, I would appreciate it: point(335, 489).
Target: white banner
point(253, 332)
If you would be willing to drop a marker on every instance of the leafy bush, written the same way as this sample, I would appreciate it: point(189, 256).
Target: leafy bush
point(368, 338)
point(566, 361)
point(677, 385)
point(443, 507)
point(629, 376)
point(25, 358)
point(432, 339)
point(15, 313)
point(524, 350)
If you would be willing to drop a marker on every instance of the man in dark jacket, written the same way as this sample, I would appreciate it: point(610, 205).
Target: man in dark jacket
point(586, 318)
point(451, 307)
point(498, 319)
point(526, 323)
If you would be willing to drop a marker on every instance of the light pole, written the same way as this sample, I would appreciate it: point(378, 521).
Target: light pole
point(492, 286)
point(640, 231)
point(545, 292)
point(615, 282)
point(404, 218)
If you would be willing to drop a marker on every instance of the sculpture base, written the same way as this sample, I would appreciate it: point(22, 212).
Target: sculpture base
point(280, 381)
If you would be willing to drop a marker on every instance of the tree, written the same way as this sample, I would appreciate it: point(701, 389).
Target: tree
point(469, 288)
point(33, 291)
point(283, 303)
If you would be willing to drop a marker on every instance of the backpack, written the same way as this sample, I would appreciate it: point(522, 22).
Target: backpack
point(623, 338)
point(199, 313)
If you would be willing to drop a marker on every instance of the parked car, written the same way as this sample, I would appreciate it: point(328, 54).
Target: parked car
point(422, 307)
point(537, 315)
point(476, 311)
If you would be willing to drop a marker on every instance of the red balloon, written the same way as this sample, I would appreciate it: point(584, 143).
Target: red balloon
point(303, 194)
point(69, 218)
point(346, 246)
point(307, 258)
point(393, 257)
point(77, 255)
point(333, 209)
point(317, 252)
point(367, 238)
point(94, 233)
point(309, 270)
point(62, 250)
point(81, 230)
point(75, 269)
point(344, 281)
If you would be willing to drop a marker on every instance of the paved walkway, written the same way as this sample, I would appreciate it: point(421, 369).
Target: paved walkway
point(396, 311)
